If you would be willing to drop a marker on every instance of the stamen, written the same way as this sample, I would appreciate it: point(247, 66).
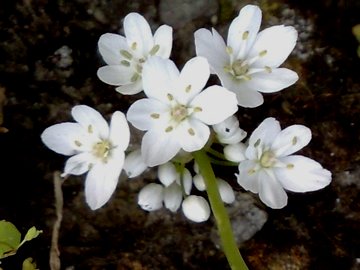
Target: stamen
point(245, 35)
point(170, 97)
point(251, 171)
point(290, 166)
point(256, 144)
point(77, 143)
point(126, 54)
point(138, 68)
point(133, 46)
point(191, 131)
point(246, 77)
point(154, 49)
point(141, 60)
point(169, 129)
point(135, 77)
point(229, 50)
point(188, 88)
point(125, 63)
point(197, 109)
point(268, 69)
point(262, 53)
point(90, 129)
point(155, 115)
point(294, 140)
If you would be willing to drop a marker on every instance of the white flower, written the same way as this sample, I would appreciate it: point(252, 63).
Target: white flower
point(95, 148)
point(249, 63)
point(176, 113)
point(270, 167)
point(125, 56)
point(229, 132)
point(196, 208)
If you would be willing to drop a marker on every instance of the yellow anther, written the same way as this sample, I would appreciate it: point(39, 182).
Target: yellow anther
point(262, 53)
point(90, 129)
point(290, 166)
point(135, 77)
point(77, 143)
point(154, 49)
point(245, 35)
point(169, 129)
point(155, 115)
point(170, 97)
point(125, 63)
point(133, 46)
point(268, 69)
point(188, 88)
point(191, 131)
point(126, 54)
point(294, 140)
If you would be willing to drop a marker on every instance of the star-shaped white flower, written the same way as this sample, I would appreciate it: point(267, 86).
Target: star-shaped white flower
point(270, 167)
point(95, 148)
point(125, 56)
point(250, 61)
point(177, 113)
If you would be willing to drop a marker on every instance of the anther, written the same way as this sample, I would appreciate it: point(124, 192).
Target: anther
point(126, 54)
point(125, 63)
point(245, 35)
point(154, 49)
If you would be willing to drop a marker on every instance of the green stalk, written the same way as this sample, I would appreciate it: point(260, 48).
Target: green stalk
point(229, 246)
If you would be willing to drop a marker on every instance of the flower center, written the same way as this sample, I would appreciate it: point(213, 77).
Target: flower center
point(179, 113)
point(102, 149)
point(268, 159)
point(240, 68)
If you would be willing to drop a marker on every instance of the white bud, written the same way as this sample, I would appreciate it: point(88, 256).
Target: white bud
point(235, 152)
point(172, 197)
point(151, 197)
point(226, 192)
point(196, 208)
point(167, 173)
point(199, 182)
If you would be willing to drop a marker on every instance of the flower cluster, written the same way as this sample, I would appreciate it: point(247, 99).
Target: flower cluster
point(180, 115)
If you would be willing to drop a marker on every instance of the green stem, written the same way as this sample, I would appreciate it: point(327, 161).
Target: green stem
point(229, 246)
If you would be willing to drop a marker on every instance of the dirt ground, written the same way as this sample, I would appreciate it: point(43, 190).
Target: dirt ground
point(48, 64)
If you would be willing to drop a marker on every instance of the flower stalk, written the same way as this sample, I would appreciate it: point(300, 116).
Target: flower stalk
point(228, 242)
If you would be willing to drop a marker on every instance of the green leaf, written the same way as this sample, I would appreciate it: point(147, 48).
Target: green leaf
point(32, 233)
point(29, 264)
point(9, 239)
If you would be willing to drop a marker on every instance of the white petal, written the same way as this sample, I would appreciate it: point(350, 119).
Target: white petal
point(262, 137)
point(215, 103)
point(91, 120)
point(167, 173)
point(248, 176)
point(64, 138)
point(163, 37)
point(110, 46)
point(192, 135)
point(137, 30)
point(173, 197)
point(158, 147)
point(226, 192)
point(159, 77)
point(102, 179)
point(276, 80)
point(303, 174)
point(78, 164)
point(134, 164)
point(119, 131)
point(278, 42)
point(192, 79)
point(196, 208)
point(131, 88)
point(147, 113)
point(291, 139)
point(187, 181)
point(249, 20)
point(246, 97)
point(199, 182)
point(271, 192)
point(235, 152)
point(212, 47)
point(115, 74)
point(151, 197)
